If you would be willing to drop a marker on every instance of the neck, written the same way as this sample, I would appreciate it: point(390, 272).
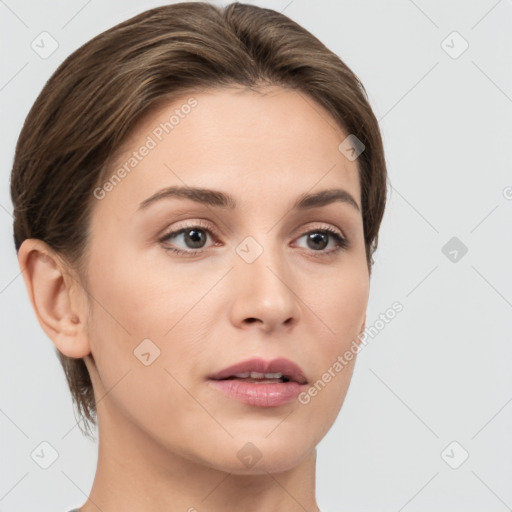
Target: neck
point(136, 473)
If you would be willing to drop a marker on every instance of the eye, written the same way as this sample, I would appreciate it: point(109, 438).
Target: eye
point(318, 239)
point(194, 237)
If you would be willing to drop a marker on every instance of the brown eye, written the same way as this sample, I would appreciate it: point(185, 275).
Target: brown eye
point(318, 239)
point(190, 240)
point(194, 238)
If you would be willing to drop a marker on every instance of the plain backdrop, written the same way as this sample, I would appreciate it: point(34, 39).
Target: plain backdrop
point(427, 420)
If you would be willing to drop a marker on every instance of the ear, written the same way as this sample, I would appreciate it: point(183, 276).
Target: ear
point(55, 297)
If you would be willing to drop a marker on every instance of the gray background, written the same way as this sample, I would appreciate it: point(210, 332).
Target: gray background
point(440, 371)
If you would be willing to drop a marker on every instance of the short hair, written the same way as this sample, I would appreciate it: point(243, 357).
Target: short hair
point(103, 89)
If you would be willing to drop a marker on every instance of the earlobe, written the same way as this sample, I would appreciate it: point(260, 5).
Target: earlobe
point(49, 288)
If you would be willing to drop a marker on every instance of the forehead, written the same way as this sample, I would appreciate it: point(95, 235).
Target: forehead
point(259, 145)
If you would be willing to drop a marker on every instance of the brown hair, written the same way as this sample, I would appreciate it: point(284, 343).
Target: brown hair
point(100, 92)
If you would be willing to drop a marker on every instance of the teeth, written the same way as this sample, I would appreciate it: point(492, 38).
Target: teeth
point(273, 375)
point(258, 375)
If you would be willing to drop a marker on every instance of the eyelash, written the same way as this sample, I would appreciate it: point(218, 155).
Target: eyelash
point(342, 243)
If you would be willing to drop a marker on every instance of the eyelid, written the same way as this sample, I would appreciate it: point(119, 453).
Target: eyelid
point(208, 226)
point(320, 226)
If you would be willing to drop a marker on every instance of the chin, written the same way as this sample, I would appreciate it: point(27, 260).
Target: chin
point(261, 455)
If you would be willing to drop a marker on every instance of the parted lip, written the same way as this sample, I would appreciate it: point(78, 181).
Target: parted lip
point(288, 368)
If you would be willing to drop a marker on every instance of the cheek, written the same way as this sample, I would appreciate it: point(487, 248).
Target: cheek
point(341, 304)
point(140, 308)
point(138, 297)
point(136, 319)
point(342, 308)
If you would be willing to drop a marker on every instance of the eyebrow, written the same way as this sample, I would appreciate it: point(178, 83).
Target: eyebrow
point(223, 200)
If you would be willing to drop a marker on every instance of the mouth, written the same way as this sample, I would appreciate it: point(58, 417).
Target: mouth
point(260, 378)
point(260, 370)
point(261, 383)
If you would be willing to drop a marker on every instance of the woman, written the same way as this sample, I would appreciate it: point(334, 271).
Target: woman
point(197, 195)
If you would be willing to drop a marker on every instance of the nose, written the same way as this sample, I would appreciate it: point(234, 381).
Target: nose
point(263, 294)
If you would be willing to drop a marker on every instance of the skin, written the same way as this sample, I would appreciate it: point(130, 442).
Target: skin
point(167, 439)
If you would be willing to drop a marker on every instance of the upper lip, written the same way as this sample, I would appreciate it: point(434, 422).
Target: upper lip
point(288, 368)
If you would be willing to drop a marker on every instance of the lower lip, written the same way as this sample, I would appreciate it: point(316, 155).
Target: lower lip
point(260, 395)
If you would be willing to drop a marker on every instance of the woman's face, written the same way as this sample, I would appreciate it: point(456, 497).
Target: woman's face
point(258, 278)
